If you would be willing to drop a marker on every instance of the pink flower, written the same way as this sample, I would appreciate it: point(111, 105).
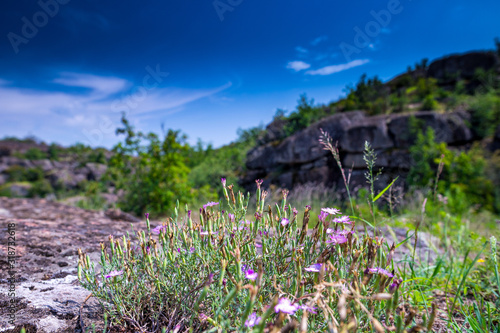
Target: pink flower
point(285, 221)
point(223, 181)
point(252, 320)
point(379, 270)
point(251, 274)
point(337, 239)
point(344, 219)
point(113, 274)
point(210, 204)
point(157, 230)
point(313, 268)
point(284, 305)
point(331, 211)
point(308, 308)
point(322, 216)
point(258, 245)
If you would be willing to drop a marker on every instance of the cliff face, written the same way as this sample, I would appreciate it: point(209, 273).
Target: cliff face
point(300, 159)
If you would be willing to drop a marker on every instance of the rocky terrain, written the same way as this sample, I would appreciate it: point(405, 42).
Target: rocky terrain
point(47, 237)
point(300, 159)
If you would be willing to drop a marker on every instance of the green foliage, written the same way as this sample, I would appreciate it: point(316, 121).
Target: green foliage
point(18, 173)
point(153, 172)
point(40, 188)
point(485, 113)
point(53, 152)
point(429, 103)
point(463, 177)
point(35, 154)
point(306, 114)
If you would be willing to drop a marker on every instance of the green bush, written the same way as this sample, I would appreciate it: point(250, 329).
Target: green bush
point(152, 172)
point(40, 189)
point(35, 154)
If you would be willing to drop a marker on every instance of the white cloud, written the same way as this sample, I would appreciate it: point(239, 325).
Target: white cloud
point(327, 70)
point(318, 40)
point(69, 116)
point(302, 50)
point(297, 65)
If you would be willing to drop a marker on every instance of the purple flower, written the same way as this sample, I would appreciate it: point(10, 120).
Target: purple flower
point(223, 181)
point(147, 215)
point(379, 270)
point(308, 207)
point(189, 214)
point(231, 217)
point(210, 204)
point(313, 268)
point(204, 233)
point(285, 221)
point(258, 245)
point(284, 305)
point(395, 285)
point(192, 250)
point(322, 216)
point(343, 219)
point(157, 230)
point(251, 274)
point(113, 274)
point(308, 308)
point(331, 211)
point(330, 231)
point(252, 320)
point(337, 239)
point(295, 211)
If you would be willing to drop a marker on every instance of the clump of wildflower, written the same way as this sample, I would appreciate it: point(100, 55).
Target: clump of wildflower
point(113, 274)
point(313, 268)
point(331, 211)
point(252, 320)
point(284, 305)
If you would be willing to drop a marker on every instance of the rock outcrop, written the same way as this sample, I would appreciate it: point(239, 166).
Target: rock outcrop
point(300, 159)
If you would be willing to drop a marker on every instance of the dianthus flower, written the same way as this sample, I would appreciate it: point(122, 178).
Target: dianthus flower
point(285, 221)
point(284, 305)
point(343, 219)
point(331, 211)
point(113, 274)
point(252, 320)
point(313, 268)
point(210, 204)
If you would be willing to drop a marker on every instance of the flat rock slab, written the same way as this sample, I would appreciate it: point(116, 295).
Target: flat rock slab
point(47, 237)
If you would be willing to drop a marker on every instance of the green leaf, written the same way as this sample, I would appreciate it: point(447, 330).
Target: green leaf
point(385, 189)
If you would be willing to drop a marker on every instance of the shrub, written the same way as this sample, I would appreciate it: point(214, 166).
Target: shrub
point(225, 273)
point(35, 154)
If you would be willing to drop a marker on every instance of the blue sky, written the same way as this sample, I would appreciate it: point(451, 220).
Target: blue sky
point(68, 68)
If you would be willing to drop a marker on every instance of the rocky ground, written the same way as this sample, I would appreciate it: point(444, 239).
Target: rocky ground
point(47, 236)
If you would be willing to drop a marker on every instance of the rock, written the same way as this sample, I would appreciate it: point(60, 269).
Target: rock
point(300, 159)
point(495, 144)
point(3, 179)
point(65, 178)
point(45, 165)
point(19, 189)
point(449, 127)
point(461, 66)
point(117, 214)
point(96, 170)
point(371, 129)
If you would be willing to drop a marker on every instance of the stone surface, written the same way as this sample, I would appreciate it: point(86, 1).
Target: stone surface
point(48, 235)
point(300, 159)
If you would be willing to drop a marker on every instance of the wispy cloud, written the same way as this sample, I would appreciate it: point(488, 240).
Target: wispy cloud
point(71, 114)
point(297, 65)
point(328, 70)
point(301, 50)
point(318, 40)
